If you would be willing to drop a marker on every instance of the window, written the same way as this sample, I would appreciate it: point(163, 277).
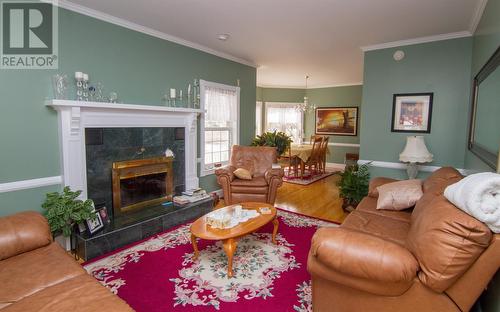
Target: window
point(258, 118)
point(219, 123)
point(284, 117)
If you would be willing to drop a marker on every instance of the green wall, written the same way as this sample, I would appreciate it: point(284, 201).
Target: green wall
point(442, 67)
point(485, 41)
point(321, 97)
point(282, 95)
point(137, 66)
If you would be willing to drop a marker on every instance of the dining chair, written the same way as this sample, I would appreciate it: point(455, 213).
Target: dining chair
point(324, 149)
point(313, 137)
point(314, 160)
point(289, 162)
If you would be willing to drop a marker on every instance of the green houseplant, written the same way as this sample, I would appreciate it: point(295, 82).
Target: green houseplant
point(64, 210)
point(277, 139)
point(353, 185)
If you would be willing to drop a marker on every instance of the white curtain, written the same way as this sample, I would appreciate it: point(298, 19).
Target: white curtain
point(220, 106)
point(284, 117)
point(258, 118)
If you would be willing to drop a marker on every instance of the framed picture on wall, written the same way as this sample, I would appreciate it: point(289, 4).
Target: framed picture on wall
point(337, 121)
point(412, 112)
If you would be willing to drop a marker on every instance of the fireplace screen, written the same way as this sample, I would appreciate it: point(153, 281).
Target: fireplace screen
point(141, 183)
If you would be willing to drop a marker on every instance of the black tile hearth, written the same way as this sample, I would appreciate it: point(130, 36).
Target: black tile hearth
point(136, 226)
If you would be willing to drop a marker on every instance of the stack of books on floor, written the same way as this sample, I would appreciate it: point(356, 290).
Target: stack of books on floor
point(191, 196)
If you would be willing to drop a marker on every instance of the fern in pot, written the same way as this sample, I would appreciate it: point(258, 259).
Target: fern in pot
point(64, 210)
point(277, 139)
point(353, 185)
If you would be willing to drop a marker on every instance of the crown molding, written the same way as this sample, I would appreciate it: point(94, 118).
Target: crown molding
point(337, 85)
point(394, 44)
point(309, 88)
point(143, 29)
point(476, 18)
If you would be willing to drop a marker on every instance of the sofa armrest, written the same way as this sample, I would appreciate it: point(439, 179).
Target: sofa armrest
point(376, 182)
point(363, 256)
point(227, 171)
point(23, 232)
point(274, 173)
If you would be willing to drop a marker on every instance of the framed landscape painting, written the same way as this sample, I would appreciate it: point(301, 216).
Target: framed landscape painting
point(337, 121)
point(412, 112)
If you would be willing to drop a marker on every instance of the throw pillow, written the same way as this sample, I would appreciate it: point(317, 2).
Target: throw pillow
point(243, 174)
point(399, 195)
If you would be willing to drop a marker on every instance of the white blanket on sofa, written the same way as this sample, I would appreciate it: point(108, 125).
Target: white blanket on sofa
point(479, 196)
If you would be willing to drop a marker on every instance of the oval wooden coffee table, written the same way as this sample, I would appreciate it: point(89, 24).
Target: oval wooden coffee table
point(229, 237)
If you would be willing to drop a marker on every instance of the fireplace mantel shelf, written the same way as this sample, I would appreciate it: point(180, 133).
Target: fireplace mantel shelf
point(103, 105)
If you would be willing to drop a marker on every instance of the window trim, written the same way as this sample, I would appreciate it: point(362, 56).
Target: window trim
point(291, 104)
point(236, 136)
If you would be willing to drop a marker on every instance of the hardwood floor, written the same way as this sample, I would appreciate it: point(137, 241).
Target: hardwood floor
point(319, 199)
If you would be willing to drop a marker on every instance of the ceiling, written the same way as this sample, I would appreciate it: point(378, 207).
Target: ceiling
point(287, 39)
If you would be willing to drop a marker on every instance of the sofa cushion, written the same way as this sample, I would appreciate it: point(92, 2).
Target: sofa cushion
point(369, 205)
point(386, 228)
point(255, 182)
point(81, 293)
point(33, 271)
point(399, 195)
point(446, 241)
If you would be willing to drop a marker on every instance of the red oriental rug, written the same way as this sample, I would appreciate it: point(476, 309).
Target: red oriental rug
point(158, 274)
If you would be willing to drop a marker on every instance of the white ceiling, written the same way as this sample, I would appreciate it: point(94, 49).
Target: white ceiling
point(287, 39)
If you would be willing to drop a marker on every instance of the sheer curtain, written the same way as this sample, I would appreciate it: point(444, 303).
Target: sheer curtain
point(284, 117)
point(220, 107)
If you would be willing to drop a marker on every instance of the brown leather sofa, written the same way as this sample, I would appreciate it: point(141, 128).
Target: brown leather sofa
point(38, 275)
point(433, 257)
point(265, 181)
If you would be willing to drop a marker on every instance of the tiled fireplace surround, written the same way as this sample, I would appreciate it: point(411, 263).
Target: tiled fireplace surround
point(75, 118)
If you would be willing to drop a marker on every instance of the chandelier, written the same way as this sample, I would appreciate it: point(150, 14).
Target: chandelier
point(305, 107)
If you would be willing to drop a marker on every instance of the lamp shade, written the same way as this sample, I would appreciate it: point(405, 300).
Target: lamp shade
point(415, 151)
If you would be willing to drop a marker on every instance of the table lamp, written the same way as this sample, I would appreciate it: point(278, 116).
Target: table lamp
point(415, 152)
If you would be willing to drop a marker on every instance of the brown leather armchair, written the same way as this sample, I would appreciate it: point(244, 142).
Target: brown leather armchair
point(266, 179)
point(433, 257)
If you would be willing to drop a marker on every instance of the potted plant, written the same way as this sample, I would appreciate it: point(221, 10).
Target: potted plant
point(353, 185)
point(63, 211)
point(277, 139)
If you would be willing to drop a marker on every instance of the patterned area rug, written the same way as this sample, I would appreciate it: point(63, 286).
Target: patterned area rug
point(158, 274)
point(308, 177)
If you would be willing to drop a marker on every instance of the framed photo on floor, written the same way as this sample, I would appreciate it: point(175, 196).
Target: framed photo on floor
point(94, 225)
point(337, 121)
point(412, 112)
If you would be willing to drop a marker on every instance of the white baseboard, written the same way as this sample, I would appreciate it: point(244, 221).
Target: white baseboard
point(29, 184)
point(335, 166)
point(402, 166)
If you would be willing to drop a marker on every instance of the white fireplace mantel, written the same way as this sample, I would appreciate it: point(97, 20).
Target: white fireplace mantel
point(75, 116)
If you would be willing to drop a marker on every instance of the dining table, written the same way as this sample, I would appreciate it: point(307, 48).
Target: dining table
point(302, 152)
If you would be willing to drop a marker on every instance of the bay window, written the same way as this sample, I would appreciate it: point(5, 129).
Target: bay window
point(285, 118)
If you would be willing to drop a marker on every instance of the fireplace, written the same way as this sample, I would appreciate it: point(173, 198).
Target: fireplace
point(141, 183)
